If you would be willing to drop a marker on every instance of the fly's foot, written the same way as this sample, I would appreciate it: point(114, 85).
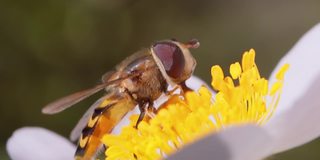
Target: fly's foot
point(146, 109)
point(142, 114)
point(183, 88)
point(150, 111)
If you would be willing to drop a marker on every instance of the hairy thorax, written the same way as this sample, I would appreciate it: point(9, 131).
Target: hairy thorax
point(149, 84)
point(144, 80)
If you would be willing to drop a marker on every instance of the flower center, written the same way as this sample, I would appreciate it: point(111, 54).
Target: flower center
point(186, 118)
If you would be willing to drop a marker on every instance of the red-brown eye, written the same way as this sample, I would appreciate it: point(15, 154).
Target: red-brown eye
point(171, 57)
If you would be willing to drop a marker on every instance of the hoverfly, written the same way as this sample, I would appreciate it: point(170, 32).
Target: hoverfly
point(138, 80)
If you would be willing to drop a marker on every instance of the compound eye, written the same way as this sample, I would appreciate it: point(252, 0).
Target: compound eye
point(171, 57)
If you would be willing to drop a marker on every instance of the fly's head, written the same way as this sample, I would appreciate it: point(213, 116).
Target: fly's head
point(174, 59)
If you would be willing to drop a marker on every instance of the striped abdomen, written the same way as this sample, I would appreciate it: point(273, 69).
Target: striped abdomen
point(102, 121)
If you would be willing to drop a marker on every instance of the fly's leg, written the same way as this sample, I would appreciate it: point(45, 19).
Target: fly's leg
point(182, 87)
point(168, 93)
point(142, 104)
point(150, 110)
point(146, 108)
point(142, 107)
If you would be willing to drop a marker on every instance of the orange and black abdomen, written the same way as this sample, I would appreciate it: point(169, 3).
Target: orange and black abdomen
point(103, 120)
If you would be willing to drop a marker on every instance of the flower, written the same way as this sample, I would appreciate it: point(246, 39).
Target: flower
point(33, 143)
point(191, 116)
point(290, 126)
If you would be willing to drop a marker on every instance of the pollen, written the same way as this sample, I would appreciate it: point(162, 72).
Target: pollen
point(241, 98)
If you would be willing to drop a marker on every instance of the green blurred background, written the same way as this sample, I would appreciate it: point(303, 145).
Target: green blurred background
point(52, 48)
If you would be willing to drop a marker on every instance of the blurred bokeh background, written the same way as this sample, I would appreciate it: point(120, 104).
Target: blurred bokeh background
point(52, 48)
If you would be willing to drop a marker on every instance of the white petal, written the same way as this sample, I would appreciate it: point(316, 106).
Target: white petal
point(34, 143)
point(298, 125)
point(195, 83)
point(304, 60)
point(235, 143)
point(299, 109)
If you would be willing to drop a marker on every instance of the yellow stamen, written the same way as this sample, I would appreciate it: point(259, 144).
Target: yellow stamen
point(186, 118)
point(282, 71)
point(235, 70)
point(219, 76)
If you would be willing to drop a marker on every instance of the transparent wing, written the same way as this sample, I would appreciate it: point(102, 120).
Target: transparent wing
point(137, 55)
point(67, 101)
